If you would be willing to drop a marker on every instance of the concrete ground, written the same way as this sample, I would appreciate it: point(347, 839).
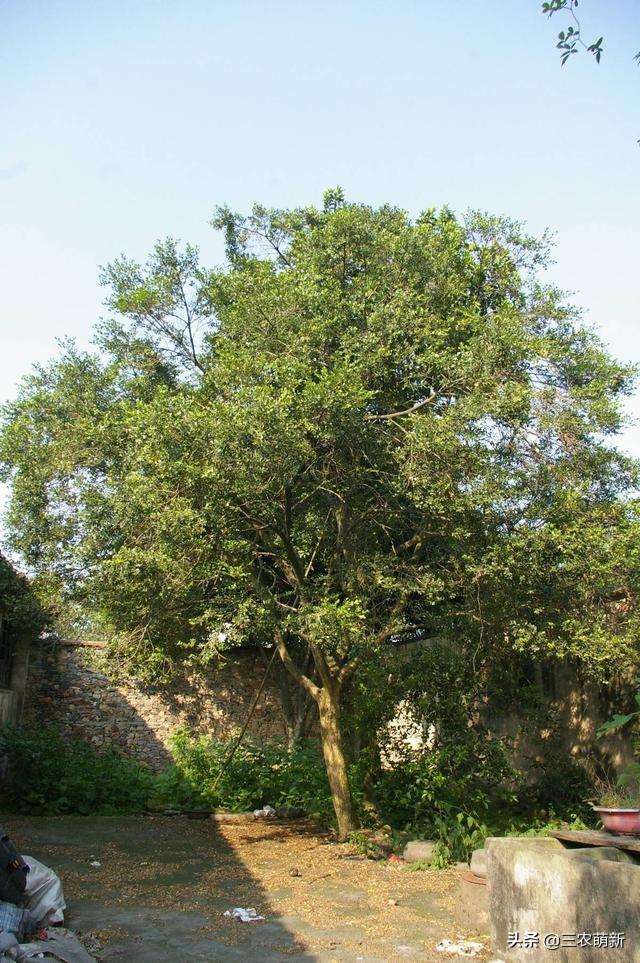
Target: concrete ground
point(163, 884)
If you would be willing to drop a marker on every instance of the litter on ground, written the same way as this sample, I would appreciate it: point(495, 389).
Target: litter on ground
point(61, 944)
point(459, 948)
point(267, 812)
point(244, 915)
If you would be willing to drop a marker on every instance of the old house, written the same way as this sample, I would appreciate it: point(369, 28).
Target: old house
point(20, 623)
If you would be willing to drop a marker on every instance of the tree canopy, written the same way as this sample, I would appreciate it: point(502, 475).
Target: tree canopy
point(363, 430)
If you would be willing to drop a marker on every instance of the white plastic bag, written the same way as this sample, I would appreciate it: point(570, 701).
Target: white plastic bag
point(244, 915)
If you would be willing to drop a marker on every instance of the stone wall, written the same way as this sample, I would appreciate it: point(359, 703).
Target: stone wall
point(572, 710)
point(68, 687)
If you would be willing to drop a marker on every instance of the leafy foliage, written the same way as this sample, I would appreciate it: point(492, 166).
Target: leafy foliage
point(46, 773)
point(458, 837)
point(418, 792)
point(19, 603)
point(556, 787)
point(365, 846)
point(255, 777)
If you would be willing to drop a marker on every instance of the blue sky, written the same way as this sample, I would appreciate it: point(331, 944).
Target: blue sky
point(124, 122)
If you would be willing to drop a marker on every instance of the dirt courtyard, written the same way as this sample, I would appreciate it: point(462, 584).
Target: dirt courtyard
point(164, 882)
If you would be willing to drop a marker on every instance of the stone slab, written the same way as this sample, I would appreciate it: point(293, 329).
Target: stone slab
point(478, 864)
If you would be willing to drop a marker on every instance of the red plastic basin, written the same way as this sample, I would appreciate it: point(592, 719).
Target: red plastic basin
point(619, 820)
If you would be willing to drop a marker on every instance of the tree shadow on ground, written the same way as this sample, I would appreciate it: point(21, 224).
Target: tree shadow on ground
point(160, 891)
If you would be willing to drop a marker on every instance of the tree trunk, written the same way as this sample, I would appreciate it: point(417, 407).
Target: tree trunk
point(286, 704)
point(296, 707)
point(327, 698)
point(332, 749)
point(303, 721)
point(371, 774)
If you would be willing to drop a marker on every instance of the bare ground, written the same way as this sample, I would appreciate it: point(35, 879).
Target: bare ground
point(163, 884)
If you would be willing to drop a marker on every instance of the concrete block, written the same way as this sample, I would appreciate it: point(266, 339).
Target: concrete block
point(478, 865)
point(418, 850)
point(602, 852)
point(470, 907)
point(536, 886)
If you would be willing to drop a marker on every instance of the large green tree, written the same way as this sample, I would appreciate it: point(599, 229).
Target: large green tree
point(363, 430)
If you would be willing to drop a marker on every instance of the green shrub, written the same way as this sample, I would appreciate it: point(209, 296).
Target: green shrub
point(45, 773)
point(458, 835)
point(557, 788)
point(542, 827)
point(365, 846)
point(471, 777)
point(255, 777)
point(456, 793)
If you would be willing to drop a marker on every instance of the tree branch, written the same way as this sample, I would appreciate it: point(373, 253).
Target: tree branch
point(407, 411)
point(189, 326)
point(347, 670)
point(390, 633)
point(292, 668)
